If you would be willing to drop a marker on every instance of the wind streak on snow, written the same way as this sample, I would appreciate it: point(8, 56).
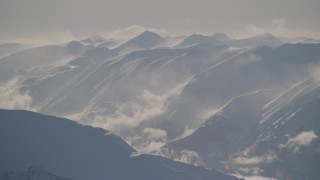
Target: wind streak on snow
point(242, 95)
point(224, 61)
point(144, 108)
point(128, 67)
point(167, 63)
point(274, 107)
point(74, 82)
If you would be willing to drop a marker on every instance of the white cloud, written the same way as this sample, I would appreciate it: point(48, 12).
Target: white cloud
point(12, 98)
point(157, 134)
point(251, 170)
point(188, 156)
point(187, 132)
point(256, 177)
point(206, 113)
point(128, 118)
point(185, 156)
point(150, 140)
point(130, 114)
point(303, 139)
point(241, 160)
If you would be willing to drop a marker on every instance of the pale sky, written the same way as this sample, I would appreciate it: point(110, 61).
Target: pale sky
point(59, 19)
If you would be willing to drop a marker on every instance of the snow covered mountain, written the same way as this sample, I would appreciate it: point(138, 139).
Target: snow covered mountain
point(220, 39)
point(97, 82)
point(248, 71)
point(75, 151)
point(37, 60)
point(255, 134)
point(258, 40)
point(167, 89)
point(227, 131)
point(151, 92)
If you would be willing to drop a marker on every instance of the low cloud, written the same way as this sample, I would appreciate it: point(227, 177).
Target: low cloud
point(297, 142)
point(12, 98)
point(206, 113)
point(185, 156)
point(188, 156)
point(150, 140)
point(131, 114)
point(255, 160)
point(187, 132)
point(256, 178)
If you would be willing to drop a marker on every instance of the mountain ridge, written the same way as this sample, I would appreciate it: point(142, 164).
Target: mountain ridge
point(80, 152)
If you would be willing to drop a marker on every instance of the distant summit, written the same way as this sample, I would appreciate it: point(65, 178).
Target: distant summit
point(145, 40)
point(195, 39)
point(260, 39)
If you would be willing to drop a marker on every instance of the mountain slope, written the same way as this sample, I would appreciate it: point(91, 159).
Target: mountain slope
point(168, 89)
point(246, 71)
point(277, 139)
point(71, 150)
point(228, 131)
point(92, 87)
point(38, 60)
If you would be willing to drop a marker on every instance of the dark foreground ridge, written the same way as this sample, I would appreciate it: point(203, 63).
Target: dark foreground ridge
point(68, 149)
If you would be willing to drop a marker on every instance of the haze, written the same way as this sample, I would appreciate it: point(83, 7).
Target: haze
point(61, 20)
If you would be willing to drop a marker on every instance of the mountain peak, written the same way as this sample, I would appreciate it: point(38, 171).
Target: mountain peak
point(74, 46)
point(149, 34)
point(145, 40)
point(194, 39)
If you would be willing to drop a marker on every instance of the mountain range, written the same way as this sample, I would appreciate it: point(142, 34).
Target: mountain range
point(242, 106)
